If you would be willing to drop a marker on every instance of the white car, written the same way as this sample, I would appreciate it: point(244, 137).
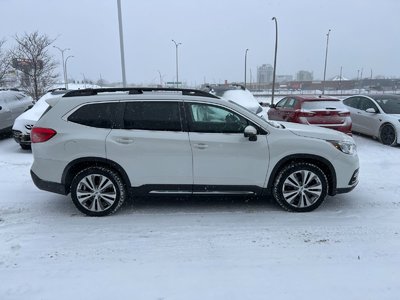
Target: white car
point(377, 116)
point(103, 145)
point(240, 95)
point(24, 123)
point(12, 104)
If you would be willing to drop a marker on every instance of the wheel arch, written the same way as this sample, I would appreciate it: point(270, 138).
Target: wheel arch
point(319, 161)
point(79, 164)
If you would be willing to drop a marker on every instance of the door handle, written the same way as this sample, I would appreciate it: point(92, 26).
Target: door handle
point(123, 140)
point(201, 146)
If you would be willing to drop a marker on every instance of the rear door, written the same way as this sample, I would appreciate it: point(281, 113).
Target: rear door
point(223, 159)
point(369, 123)
point(352, 104)
point(152, 147)
point(5, 114)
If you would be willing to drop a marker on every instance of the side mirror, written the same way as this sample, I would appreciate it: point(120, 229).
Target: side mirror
point(251, 133)
point(272, 106)
point(371, 110)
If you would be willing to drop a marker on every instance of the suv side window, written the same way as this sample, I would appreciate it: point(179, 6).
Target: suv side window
point(152, 115)
point(214, 119)
point(100, 115)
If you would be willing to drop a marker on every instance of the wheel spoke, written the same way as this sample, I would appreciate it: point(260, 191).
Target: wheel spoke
point(83, 196)
point(88, 183)
point(290, 196)
point(107, 199)
point(103, 183)
point(293, 181)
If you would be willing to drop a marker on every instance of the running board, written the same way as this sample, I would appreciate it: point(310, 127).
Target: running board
point(204, 193)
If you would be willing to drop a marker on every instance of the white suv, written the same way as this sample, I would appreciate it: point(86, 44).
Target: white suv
point(103, 145)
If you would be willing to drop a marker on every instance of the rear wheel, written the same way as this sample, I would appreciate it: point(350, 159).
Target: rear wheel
point(388, 135)
point(300, 187)
point(97, 191)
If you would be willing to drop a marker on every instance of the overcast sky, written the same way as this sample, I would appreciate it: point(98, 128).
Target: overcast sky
point(214, 35)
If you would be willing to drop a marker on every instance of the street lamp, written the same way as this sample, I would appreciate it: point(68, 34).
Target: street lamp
point(66, 72)
point(326, 59)
point(121, 43)
point(276, 51)
point(245, 67)
point(176, 59)
point(63, 62)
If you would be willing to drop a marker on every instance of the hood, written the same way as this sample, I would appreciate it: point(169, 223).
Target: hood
point(316, 132)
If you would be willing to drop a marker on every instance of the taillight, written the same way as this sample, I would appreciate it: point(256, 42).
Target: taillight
point(344, 114)
point(303, 113)
point(40, 135)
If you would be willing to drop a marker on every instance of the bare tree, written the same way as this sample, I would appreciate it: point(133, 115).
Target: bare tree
point(4, 61)
point(37, 67)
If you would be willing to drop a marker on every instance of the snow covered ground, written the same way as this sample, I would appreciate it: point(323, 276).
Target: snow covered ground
point(221, 249)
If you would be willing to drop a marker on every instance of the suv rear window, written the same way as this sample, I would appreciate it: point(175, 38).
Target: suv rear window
point(100, 115)
point(152, 115)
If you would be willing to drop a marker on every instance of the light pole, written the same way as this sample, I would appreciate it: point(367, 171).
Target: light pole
point(245, 67)
point(326, 59)
point(84, 80)
point(66, 72)
point(63, 62)
point(176, 60)
point(121, 43)
point(276, 51)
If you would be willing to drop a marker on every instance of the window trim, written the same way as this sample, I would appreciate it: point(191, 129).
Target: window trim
point(260, 130)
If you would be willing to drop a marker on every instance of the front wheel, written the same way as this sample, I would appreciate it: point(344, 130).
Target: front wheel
point(97, 191)
point(300, 187)
point(388, 135)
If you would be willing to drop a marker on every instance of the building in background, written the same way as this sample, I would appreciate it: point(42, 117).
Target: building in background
point(264, 74)
point(303, 75)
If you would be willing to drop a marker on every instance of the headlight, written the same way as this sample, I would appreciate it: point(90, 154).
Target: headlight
point(345, 146)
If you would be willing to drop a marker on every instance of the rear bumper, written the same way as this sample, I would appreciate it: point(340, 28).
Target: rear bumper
point(21, 138)
point(49, 186)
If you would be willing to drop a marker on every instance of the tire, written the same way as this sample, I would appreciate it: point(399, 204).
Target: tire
point(90, 198)
point(25, 147)
point(300, 187)
point(388, 135)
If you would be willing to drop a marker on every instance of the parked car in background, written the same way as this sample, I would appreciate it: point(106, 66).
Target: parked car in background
point(320, 111)
point(24, 123)
point(104, 145)
point(377, 116)
point(12, 104)
point(240, 95)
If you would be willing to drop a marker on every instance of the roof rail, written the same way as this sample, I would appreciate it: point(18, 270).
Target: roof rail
point(137, 90)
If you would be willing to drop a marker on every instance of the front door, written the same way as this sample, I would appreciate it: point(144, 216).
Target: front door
point(223, 159)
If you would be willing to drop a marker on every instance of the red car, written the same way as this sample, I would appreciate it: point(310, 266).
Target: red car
point(312, 110)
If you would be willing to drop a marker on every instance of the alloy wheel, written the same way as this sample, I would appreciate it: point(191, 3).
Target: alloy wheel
point(302, 188)
point(96, 192)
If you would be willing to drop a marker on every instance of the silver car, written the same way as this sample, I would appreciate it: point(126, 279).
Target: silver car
point(12, 104)
point(377, 116)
